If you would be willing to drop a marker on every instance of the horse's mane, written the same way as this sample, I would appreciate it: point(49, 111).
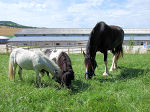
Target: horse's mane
point(90, 45)
point(64, 62)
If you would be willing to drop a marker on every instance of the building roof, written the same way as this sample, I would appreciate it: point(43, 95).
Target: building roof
point(46, 31)
point(69, 38)
point(54, 31)
point(52, 34)
point(136, 31)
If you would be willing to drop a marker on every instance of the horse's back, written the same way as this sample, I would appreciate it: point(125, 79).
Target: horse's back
point(24, 58)
point(118, 30)
point(47, 52)
point(106, 37)
point(112, 32)
point(55, 55)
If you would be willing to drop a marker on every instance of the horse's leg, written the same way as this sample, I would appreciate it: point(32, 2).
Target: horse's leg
point(114, 63)
point(20, 73)
point(42, 73)
point(105, 62)
point(38, 78)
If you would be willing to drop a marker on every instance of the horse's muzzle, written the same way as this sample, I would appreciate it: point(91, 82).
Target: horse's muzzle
point(88, 75)
point(68, 87)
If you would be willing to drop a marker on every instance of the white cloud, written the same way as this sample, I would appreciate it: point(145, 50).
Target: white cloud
point(30, 13)
point(131, 14)
point(84, 13)
point(85, 6)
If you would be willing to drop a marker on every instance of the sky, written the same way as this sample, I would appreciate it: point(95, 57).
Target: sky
point(76, 13)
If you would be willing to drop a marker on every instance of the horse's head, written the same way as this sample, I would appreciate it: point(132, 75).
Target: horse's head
point(90, 65)
point(67, 77)
point(57, 76)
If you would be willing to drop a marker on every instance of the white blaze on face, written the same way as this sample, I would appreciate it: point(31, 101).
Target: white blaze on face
point(86, 70)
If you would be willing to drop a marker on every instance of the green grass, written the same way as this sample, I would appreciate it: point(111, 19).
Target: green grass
point(125, 90)
point(10, 36)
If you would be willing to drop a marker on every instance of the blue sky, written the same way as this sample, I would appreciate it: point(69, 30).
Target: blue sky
point(76, 13)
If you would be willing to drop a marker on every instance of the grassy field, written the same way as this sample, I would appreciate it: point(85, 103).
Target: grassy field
point(125, 90)
point(10, 36)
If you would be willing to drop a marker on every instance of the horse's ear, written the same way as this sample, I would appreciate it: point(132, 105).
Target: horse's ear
point(84, 54)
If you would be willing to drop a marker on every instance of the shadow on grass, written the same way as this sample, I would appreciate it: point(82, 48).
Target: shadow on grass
point(45, 83)
point(78, 86)
point(129, 73)
point(126, 73)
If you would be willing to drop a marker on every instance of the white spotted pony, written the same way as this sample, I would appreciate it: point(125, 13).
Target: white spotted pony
point(64, 62)
point(31, 60)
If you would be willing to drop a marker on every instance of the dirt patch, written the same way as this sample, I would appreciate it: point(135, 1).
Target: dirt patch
point(4, 30)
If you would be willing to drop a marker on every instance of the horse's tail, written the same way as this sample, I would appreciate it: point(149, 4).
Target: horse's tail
point(11, 71)
point(119, 51)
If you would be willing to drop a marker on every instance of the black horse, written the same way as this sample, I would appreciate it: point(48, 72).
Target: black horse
point(102, 38)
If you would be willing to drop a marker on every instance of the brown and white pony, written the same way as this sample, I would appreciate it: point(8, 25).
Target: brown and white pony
point(63, 61)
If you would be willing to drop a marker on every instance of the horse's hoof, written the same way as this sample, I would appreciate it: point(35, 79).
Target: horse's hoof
point(86, 76)
point(111, 70)
point(105, 74)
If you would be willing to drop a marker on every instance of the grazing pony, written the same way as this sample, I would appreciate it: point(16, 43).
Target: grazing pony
point(31, 60)
point(103, 38)
point(62, 59)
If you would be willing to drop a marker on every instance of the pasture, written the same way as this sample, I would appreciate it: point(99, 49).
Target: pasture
point(125, 90)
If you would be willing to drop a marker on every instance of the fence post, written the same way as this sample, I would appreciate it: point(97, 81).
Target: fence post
point(146, 44)
point(11, 48)
point(68, 50)
point(81, 50)
point(6, 48)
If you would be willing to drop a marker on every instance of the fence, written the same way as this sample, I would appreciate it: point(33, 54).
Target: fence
point(66, 46)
